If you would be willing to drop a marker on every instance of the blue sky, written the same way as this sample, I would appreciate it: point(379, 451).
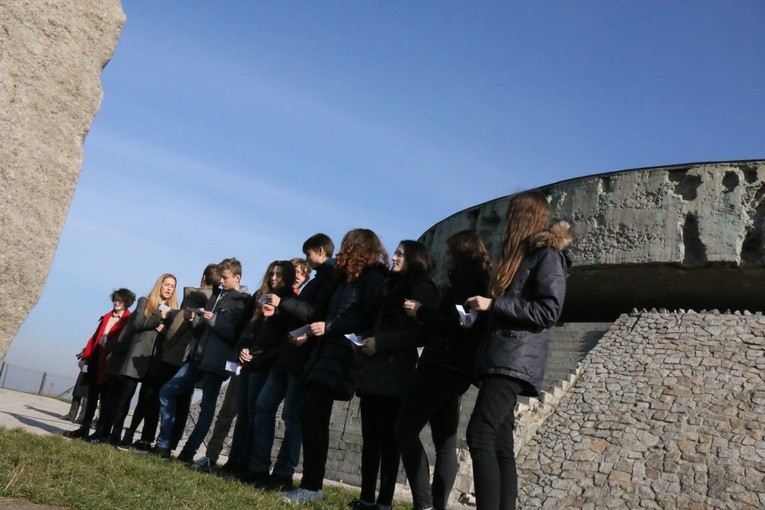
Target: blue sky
point(241, 128)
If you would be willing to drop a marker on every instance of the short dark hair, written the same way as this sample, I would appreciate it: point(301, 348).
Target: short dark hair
point(211, 274)
point(127, 296)
point(317, 241)
point(232, 265)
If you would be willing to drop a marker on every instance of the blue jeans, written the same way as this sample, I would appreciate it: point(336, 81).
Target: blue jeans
point(186, 377)
point(247, 391)
point(279, 386)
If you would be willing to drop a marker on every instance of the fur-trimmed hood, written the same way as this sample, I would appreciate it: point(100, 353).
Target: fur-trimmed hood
point(559, 236)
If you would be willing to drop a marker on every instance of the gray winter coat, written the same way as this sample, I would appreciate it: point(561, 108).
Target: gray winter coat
point(518, 338)
point(141, 347)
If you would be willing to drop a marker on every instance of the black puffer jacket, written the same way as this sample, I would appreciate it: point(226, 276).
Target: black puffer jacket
point(448, 344)
point(390, 371)
point(333, 362)
point(519, 320)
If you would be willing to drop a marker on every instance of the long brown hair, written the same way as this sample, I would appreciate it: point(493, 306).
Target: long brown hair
point(360, 249)
point(528, 213)
point(154, 299)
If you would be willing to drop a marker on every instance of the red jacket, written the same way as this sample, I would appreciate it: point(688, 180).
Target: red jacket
point(90, 347)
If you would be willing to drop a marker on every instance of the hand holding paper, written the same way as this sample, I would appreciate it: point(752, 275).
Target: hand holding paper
point(467, 319)
point(353, 337)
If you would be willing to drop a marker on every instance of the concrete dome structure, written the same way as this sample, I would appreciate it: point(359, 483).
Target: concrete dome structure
point(677, 237)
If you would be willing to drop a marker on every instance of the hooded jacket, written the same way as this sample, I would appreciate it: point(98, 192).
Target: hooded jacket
point(519, 320)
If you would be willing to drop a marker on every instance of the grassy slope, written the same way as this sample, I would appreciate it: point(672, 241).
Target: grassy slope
point(74, 474)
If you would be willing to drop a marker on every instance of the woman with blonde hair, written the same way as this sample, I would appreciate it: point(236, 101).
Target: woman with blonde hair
point(527, 289)
point(132, 355)
point(330, 374)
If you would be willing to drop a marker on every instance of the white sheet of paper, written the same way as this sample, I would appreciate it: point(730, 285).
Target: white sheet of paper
point(198, 311)
point(262, 300)
point(84, 369)
point(353, 337)
point(164, 308)
point(466, 319)
point(233, 367)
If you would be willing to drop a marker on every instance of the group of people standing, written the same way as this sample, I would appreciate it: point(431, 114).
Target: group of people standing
point(363, 325)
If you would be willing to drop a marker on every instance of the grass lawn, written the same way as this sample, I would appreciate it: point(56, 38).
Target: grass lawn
point(73, 474)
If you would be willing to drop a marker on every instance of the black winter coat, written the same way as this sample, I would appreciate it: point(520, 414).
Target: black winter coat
point(215, 341)
point(390, 371)
point(309, 306)
point(333, 362)
point(263, 336)
point(518, 340)
point(448, 344)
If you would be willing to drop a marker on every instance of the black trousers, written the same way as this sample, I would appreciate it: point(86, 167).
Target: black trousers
point(119, 393)
point(490, 439)
point(315, 414)
point(379, 451)
point(433, 398)
point(147, 408)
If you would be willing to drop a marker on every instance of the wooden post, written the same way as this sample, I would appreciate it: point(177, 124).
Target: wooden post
point(42, 383)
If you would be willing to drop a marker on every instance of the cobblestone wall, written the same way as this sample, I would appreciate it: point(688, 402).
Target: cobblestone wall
point(667, 413)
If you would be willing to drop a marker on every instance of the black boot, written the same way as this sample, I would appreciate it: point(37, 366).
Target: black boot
point(77, 434)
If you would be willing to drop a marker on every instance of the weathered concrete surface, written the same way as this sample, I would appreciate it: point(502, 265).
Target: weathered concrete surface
point(51, 57)
point(667, 413)
point(685, 236)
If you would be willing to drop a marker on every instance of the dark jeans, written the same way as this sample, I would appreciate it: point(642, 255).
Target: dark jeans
point(183, 381)
point(379, 451)
point(279, 386)
point(433, 398)
point(315, 414)
point(247, 391)
point(490, 439)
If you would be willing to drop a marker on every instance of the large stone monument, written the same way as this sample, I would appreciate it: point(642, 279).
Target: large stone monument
point(683, 236)
point(51, 57)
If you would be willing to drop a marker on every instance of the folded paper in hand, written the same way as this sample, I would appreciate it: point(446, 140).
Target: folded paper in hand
point(467, 319)
point(233, 367)
point(353, 337)
point(164, 308)
point(296, 333)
